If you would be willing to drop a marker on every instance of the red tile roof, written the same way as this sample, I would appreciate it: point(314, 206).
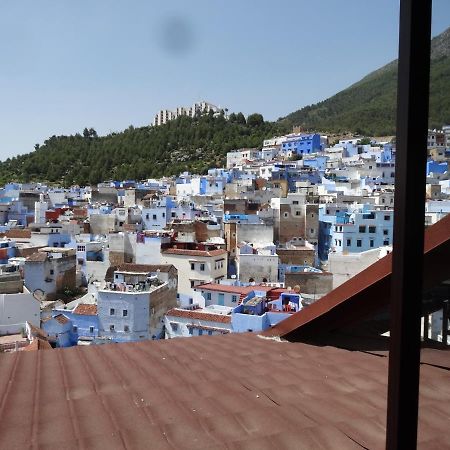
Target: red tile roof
point(216, 287)
point(37, 257)
point(235, 391)
point(143, 268)
point(18, 233)
point(183, 251)
point(85, 309)
point(199, 315)
point(62, 319)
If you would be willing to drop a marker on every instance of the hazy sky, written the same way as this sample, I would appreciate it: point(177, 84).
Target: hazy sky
point(107, 64)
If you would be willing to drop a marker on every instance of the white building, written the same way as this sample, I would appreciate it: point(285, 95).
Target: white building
point(198, 108)
point(17, 304)
point(211, 320)
point(196, 266)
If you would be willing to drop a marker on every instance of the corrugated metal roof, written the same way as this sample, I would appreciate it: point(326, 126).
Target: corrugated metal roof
point(222, 392)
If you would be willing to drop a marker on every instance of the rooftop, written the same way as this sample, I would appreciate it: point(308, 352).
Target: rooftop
point(183, 251)
point(241, 391)
point(199, 314)
point(85, 309)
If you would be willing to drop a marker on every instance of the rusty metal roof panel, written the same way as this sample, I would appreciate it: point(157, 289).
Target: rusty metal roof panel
point(236, 392)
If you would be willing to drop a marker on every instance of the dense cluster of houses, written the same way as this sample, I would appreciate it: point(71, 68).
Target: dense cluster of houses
point(236, 250)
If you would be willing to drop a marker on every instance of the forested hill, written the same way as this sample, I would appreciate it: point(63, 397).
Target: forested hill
point(368, 107)
point(138, 153)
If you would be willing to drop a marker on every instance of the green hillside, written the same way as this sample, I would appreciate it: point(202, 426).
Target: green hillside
point(368, 106)
point(138, 153)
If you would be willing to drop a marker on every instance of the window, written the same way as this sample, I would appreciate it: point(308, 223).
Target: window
point(372, 229)
point(297, 213)
point(295, 202)
point(154, 216)
point(311, 231)
point(385, 232)
point(209, 332)
point(174, 326)
point(200, 332)
point(91, 329)
point(386, 217)
point(371, 243)
point(208, 296)
point(125, 313)
point(75, 329)
point(349, 242)
point(386, 242)
point(126, 328)
point(111, 328)
point(358, 243)
point(362, 228)
point(164, 215)
point(112, 311)
point(202, 267)
point(234, 298)
point(285, 214)
point(147, 216)
point(192, 283)
point(192, 266)
point(174, 214)
point(52, 271)
point(191, 331)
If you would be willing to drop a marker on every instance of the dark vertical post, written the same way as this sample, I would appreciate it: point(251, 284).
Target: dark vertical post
point(407, 262)
point(426, 326)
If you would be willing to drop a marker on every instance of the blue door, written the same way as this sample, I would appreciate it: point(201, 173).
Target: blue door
point(222, 299)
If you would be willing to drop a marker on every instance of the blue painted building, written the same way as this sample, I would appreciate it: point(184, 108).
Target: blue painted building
point(256, 313)
point(84, 319)
point(366, 230)
point(302, 144)
point(60, 330)
point(436, 167)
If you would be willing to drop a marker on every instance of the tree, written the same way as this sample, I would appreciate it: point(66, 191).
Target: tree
point(240, 118)
point(255, 120)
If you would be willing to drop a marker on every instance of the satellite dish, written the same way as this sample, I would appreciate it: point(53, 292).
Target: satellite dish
point(39, 295)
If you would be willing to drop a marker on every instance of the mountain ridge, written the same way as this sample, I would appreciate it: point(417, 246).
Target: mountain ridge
point(368, 106)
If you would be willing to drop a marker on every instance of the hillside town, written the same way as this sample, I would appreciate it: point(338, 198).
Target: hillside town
point(238, 249)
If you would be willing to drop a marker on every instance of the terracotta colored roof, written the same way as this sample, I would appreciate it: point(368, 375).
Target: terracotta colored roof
point(18, 233)
point(183, 251)
point(235, 391)
point(198, 315)
point(206, 328)
point(216, 287)
point(37, 257)
point(144, 268)
point(85, 309)
point(37, 344)
point(61, 318)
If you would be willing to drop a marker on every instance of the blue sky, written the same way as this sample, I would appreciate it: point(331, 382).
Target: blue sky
point(108, 64)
